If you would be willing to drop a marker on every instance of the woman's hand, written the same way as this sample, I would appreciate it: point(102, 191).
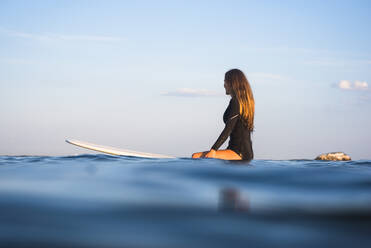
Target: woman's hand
point(210, 154)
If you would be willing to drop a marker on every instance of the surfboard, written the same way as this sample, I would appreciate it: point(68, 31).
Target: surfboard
point(115, 151)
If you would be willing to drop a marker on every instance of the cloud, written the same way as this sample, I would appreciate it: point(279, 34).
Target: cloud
point(87, 38)
point(360, 85)
point(348, 85)
point(187, 92)
point(345, 85)
point(60, 37)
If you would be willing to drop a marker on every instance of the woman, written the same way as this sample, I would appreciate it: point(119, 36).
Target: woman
point(238, 119)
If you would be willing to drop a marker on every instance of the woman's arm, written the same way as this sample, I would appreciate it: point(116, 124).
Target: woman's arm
point(223, 136)
point(229, 125)
point(226, 132)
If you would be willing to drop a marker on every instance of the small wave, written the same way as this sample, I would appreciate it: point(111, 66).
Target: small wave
point(103, 200)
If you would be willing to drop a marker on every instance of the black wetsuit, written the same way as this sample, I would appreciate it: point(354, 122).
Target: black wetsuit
point(240, 136)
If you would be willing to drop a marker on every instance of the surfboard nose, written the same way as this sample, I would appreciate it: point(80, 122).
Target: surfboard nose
point(114, 151)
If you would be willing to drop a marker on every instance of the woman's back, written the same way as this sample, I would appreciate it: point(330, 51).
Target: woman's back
point(240, 137)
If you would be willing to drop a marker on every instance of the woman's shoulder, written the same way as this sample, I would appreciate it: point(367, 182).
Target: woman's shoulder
point(235, 105)
point(233, 100)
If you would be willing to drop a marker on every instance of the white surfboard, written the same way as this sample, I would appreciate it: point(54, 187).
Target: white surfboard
point(114, 151)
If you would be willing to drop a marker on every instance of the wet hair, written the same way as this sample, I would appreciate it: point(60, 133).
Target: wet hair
point(241, 90)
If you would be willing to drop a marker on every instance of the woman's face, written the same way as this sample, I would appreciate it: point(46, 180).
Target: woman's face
point(227, 88)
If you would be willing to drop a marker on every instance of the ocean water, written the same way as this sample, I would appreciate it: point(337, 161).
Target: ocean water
point(112, 201)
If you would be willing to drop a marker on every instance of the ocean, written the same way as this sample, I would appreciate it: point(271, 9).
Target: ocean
point(112, 201)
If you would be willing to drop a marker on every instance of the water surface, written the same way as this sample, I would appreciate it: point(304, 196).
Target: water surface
point(112, 201)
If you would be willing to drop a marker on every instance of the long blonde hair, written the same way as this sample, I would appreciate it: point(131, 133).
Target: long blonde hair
point(241, 89)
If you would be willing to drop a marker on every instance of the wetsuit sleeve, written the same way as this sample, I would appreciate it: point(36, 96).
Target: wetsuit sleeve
point(231, 122)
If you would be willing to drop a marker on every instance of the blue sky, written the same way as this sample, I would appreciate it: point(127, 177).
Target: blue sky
point(148, 75)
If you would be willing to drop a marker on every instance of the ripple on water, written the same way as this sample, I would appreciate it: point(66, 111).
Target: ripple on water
point(118, 201)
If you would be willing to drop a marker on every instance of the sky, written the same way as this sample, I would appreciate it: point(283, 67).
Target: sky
point(149, 75)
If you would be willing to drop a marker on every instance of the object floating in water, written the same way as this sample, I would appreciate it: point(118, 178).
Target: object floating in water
point(335, 156)
point(114, 151)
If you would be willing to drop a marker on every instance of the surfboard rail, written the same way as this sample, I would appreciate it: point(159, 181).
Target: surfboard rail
point(114, 151)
